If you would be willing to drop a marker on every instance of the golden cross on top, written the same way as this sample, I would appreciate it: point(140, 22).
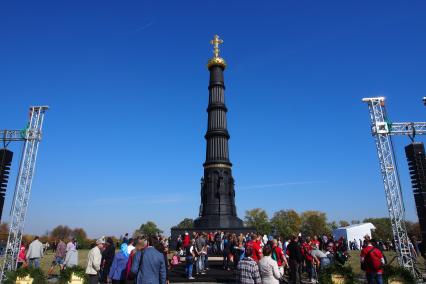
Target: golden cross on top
point(215, 42)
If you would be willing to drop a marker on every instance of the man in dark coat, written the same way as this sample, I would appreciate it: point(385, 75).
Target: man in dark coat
point(107, 258)
point(295, 260)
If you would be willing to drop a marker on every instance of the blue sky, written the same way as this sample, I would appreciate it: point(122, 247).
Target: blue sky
point(127, 85)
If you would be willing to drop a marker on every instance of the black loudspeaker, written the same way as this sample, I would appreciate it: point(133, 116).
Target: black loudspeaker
point(415, 153)
point(5, 163)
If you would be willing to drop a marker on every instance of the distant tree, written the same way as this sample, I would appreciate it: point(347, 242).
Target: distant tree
point(314, 223)
point(61, 232)
point(81, 237)
point(44, 238)
point(148, 229)
point(413, 229)
point(258, 219)
point(383, 229)
point(354, 222)
point(343, 223)
point(286, 223)
point(185, 223)
point(4, 228)
point(27, 239)
point(332, 226)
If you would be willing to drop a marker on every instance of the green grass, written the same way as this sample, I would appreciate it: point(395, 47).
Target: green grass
point(46, 261)
point(353, 261)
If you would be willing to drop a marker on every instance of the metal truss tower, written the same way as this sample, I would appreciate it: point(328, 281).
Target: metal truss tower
point(382, 130)
point(31, 137)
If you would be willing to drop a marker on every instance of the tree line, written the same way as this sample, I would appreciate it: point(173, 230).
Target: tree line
point(66, 233)
point(59, 232)
point(286, 223)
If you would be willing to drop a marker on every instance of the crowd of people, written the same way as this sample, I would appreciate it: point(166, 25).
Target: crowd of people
point(138, 260)
point(133, 260)
point(273, 257)
point(261, 259)
point(254, 258)
point(66, 255)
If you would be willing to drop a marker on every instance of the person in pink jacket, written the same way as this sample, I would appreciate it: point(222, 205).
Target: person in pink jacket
point(22, 259)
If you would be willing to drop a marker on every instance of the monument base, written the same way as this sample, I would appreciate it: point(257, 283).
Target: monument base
point(218, 221)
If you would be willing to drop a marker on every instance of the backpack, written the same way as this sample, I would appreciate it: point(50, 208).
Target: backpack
point(371, 261)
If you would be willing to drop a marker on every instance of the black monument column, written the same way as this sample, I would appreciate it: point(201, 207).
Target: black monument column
point(217, 210)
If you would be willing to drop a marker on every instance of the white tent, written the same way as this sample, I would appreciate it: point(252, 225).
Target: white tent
point(354, 232)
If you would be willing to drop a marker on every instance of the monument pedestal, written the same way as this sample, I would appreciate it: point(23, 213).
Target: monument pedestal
point(218, 221)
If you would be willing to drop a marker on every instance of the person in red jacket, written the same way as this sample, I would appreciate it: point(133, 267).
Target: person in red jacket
point(309, 260)
point(372, 261)
point(316, 242)
point(255, 244)
point(278, 255)
point(186, 240)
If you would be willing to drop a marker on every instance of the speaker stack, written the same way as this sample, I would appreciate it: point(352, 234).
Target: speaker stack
point(415, 153)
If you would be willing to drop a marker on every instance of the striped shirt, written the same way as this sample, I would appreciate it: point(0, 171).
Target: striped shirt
point(248, 272)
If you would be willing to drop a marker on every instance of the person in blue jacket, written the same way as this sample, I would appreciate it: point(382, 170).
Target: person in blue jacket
point(117, 273)
point(149, 264)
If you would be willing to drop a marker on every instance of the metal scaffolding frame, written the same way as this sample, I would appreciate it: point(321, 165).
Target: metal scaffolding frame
point(382, 130)
point(31, 137)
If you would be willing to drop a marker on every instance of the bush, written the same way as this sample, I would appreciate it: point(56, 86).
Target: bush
point(35, 273)
point(79, 271)
point(398, 272)
point(345, 271)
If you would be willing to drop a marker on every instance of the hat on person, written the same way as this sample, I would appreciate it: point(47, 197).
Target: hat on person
point(101, 240)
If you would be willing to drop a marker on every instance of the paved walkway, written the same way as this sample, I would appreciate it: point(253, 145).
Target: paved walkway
point(215, 274)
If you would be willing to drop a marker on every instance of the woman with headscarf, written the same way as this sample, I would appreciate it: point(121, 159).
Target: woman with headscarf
point(131, 277)
point(117, 272)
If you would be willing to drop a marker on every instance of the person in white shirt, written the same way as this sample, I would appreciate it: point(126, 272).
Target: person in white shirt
point(71, 245)
point(265, 240)
point(35, 253)
point(130, 245)
point(269, 268)
point(71, 258)
point(94, 259)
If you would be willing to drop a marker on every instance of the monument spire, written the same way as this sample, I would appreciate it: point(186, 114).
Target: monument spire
point(217, 153)
point(217, 210)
